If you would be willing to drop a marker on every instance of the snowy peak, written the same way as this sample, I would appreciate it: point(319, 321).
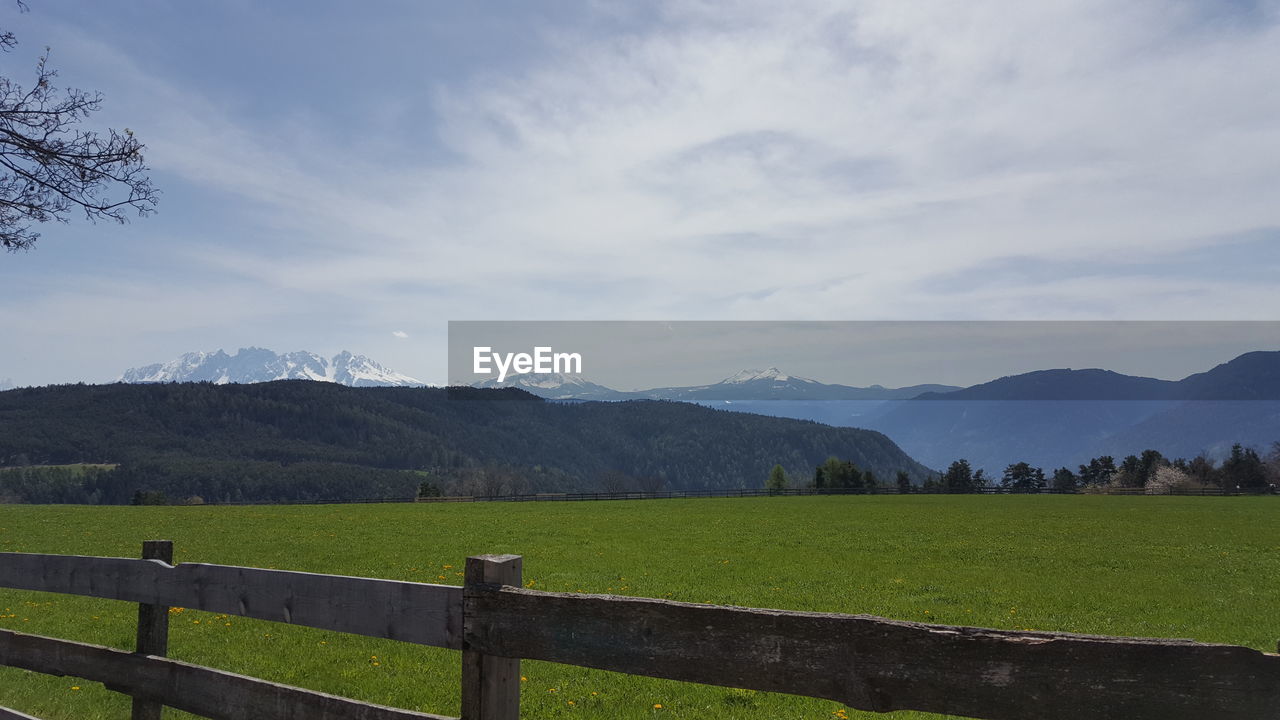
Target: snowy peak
point(360, 371)
point(252, 365)
point(554, 386)
point(773, 374)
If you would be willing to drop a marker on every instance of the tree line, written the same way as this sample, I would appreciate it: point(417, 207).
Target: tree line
point(1245, 469)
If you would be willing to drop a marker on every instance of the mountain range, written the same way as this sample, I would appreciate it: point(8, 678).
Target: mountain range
point(254, 365)
point(1050, 418)
point(1064, 417)
point(770, 384)
point(1251, 376)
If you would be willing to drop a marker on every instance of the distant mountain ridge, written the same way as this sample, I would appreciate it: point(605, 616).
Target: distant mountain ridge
point(770, 384)
point(1064, 417)
point(1251, 376)
point(254, 365)
point(555, 386)
point(1049, 418)
point(773, 384)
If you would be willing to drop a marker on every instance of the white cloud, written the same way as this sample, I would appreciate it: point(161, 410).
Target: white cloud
point(400, 334)
point(803, 160)
point(864, 152)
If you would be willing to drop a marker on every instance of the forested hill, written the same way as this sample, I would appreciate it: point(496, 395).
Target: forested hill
point(305, 440)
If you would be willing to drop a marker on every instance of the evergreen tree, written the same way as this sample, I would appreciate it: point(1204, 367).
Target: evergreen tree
point(1065, 480)
point(1201, 470)
point(838, 474)
point(959, 477)
point(1244, 469)
point(1099, 471)
point(777, 479)
point(1021, 476)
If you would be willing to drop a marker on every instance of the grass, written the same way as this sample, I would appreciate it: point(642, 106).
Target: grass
point(1202, 568)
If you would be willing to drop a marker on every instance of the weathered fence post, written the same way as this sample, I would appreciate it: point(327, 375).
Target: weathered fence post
point(153, 628)
point(490, 684)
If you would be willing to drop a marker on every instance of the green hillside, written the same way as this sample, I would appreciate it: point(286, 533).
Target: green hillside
point(303, 440)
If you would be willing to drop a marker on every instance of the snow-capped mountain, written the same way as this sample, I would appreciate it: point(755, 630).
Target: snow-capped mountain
point(773, 375)
point(555, 386)
point(252, 365)
point(7, 384)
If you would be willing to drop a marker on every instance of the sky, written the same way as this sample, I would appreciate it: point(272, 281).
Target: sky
point(353, 176)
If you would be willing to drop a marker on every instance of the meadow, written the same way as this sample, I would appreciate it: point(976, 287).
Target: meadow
point(1186, 567)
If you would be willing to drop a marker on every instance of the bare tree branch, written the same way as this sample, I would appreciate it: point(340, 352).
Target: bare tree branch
point(49, 168)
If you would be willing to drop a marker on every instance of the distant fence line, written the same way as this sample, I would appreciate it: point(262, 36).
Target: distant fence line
point(865, 662)
point(789, 492)
point(793, 492)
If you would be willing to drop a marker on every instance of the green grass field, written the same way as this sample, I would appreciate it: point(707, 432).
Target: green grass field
point(1202, 568)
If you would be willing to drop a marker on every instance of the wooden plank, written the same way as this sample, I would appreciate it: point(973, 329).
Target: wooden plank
point(490, 684)
point(204, 691)
point(153, 628)
point(411, 612)
point(880, 665)
point(10, 714)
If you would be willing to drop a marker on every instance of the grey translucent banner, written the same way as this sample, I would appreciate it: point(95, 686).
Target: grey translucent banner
point(640, 356)
point(1050, 393)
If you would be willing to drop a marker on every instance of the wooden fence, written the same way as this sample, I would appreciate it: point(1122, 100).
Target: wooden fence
point(757, 492)
point(793, 492)
point(865, 662)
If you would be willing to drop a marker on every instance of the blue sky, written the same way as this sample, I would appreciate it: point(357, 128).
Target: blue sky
point(336, 173)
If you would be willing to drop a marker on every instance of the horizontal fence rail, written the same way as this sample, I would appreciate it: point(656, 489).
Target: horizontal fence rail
point(871, 663)
point(419, 613)
point(200, 690)
point(865, 662)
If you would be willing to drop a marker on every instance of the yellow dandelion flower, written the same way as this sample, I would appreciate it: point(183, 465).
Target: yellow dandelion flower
point(657, 706)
